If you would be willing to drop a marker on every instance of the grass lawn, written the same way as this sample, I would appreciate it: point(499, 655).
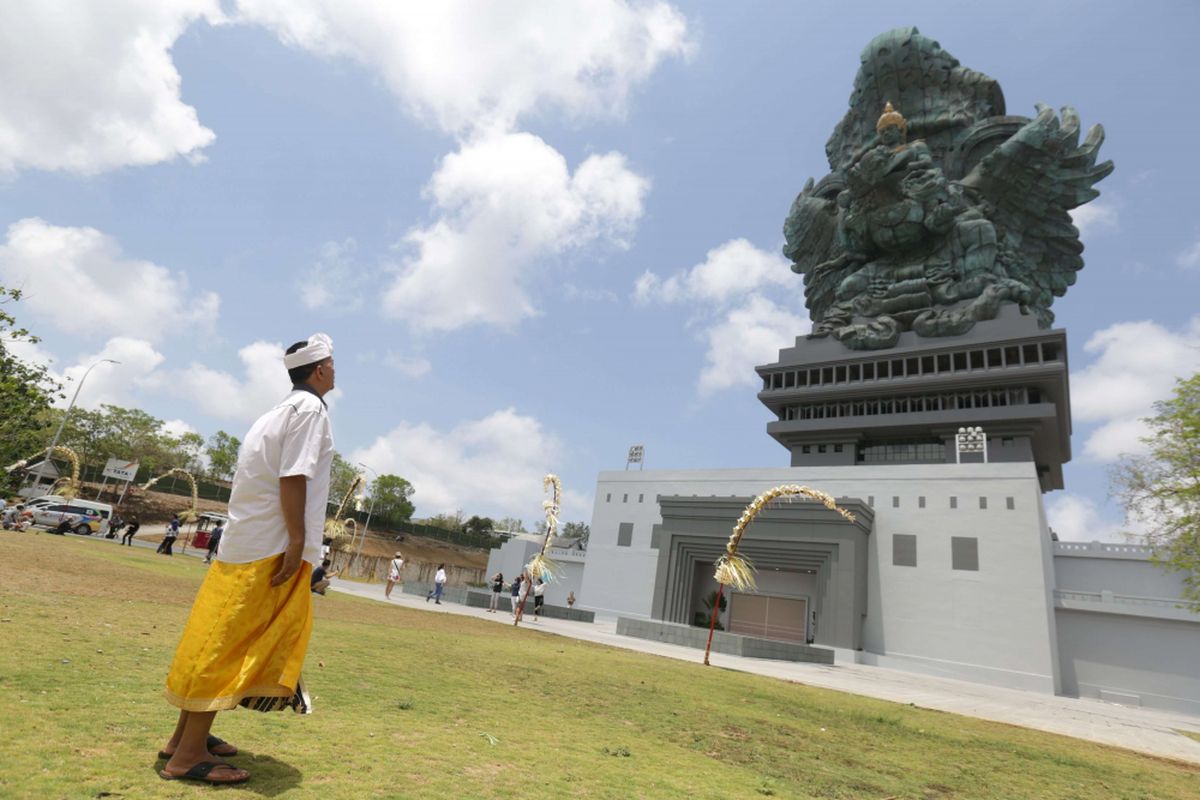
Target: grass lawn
point(410, 704)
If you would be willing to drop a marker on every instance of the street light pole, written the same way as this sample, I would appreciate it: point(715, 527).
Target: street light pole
point(370, 510)
point(63, 422)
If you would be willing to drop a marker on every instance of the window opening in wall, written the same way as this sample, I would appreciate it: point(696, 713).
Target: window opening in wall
point(1049, 351)
point(921, 501)
point(868, 371)
point(1011, 503)
point(814, 377)
point(1006, 441)
point(641, 497)
point(871, 500)
point(976, 359)
point(837, 448)
point(608, 498)
point(994, 357)
point(1031, 353)
point(895, 501)
point(983, 503)
point(921, 451)
point(806, 448)
point(1012, 356)
point(840, 375)
point(960, 362)
point(789, 380)
point(827, 375)
point(943, 362)
point(912, 366)
point(954, 502)
point(820, 448)
point(1035, 396)
point(625, 499)
point(904, 550)
point(855, 372)
point(625, 534)
point(898, 368)
point(964, 553)
point(927, 365)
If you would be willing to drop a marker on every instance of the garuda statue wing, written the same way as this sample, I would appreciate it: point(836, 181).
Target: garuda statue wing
point(1027, 185)
point(811, 243)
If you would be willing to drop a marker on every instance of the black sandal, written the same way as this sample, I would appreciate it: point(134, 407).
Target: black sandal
point(210, 743)
point(200, 772)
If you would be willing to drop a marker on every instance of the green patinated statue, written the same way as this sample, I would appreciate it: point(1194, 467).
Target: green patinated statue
point(931, 223)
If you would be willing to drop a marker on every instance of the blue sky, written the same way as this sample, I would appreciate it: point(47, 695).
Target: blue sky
point(469, 200)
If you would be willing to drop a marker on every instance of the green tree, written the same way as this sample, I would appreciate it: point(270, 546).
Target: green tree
point(510, 524)
point(391, 495)
point(26, 391)
point(341, 475)
point(447, 522)
point(222, 455)
point(478, 524)
point(576, 530)
point(1161, 489)
point(190, 447)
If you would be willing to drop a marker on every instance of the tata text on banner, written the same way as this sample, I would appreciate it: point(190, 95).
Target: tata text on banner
point(120, 470)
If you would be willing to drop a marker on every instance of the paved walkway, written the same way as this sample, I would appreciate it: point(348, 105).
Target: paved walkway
point(1140, 729)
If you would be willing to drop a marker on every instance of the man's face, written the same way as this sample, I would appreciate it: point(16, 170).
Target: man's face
point(323, 377)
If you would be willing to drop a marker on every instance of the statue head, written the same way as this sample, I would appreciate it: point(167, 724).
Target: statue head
point(891, 127)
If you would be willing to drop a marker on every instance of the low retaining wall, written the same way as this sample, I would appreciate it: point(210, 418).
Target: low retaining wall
point(731, 643)
point(483, 599)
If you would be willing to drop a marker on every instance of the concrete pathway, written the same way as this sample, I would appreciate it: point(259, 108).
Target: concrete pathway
point(1144, 730)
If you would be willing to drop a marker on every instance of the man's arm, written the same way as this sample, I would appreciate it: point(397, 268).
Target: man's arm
point(293, 491)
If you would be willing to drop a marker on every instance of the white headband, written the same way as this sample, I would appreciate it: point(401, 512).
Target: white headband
point(319, 348)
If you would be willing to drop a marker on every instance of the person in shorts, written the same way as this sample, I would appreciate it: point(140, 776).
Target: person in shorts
point(393, 574)
point(497, 588)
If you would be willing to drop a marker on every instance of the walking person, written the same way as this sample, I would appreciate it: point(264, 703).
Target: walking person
point(245, 640)
point(539, 599)
point(516, 594)
point(134, 524)
point(168, 541)
point(214, 541)
point(497, 587)
point(439, 584)
point(393, 574)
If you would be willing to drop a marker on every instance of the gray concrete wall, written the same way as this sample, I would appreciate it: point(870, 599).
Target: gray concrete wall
point(994, 625)
point(512, 556)
point(1124, 636)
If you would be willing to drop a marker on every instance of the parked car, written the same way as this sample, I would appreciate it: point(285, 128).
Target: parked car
point(90, 517)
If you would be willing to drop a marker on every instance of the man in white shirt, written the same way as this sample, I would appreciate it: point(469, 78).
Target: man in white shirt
point(246, 637)
point(439, 584)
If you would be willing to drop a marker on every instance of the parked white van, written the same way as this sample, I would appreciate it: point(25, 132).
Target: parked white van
point(88, 516)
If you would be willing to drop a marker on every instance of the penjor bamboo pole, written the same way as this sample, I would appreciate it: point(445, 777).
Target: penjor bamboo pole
point(737, 571)
point(540, 565)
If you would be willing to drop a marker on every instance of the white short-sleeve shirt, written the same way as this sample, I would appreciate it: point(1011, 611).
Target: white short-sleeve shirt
point(293, 438)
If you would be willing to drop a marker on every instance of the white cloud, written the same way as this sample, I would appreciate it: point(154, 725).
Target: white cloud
point(410, 366)
point(732, 271)
point(730, 295)
point(465, 65)
point(112, 384)
point(1096, 217)
point(334, 282)
point(491, 466)
point(506, 201)
point(1190, 258)
point(1135, 365)
point(242, 398)
point(91, 86)
point(176, 428)
point(1077, 519)
point(79, 280)
point(749, 335)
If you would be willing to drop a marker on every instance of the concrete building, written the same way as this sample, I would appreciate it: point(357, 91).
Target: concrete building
point(949, 569)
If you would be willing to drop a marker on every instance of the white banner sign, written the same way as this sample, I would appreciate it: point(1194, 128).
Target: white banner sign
point(120, 469)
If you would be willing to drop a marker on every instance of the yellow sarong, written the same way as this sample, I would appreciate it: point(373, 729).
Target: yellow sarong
point(244, 637)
